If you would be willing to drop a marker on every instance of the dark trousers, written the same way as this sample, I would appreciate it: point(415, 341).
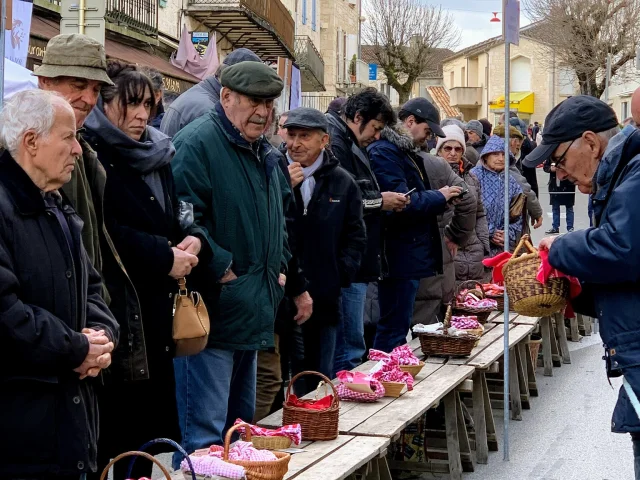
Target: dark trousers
point(397, 298)
point(636, 454)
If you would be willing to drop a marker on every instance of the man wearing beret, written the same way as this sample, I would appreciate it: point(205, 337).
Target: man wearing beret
point(581, 140)
point(229, 172)
point(329, 230)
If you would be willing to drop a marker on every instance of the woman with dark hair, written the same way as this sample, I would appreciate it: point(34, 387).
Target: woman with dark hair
point(142, 216)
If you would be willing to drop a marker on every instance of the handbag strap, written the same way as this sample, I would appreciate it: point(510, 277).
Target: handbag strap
point(182, 287)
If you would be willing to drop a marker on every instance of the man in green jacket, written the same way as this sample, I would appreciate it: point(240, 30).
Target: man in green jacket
point(229, 172)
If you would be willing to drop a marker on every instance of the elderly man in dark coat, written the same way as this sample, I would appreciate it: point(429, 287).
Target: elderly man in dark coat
point(55, 329)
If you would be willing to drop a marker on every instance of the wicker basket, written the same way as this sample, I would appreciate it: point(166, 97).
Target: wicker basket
point(316, 424)
point(393, 389)
point(500, 301)
point(414, 370)
point(271, 443)
point(162, 468)
point(460, 309)
point(447, 345)
point(527, 295)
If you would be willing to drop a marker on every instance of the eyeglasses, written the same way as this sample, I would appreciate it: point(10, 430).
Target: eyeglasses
point(281, 125)
point(561, 161)
point(449, 149)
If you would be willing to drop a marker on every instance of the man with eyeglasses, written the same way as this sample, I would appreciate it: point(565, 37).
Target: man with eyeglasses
point(581, 138)
point(412, 240)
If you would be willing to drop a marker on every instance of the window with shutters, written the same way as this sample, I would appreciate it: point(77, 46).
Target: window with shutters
point(304, 12)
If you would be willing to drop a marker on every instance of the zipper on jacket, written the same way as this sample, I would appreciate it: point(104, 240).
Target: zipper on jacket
point(304, 212)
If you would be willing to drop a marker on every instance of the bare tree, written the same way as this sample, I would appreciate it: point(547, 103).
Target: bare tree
point(581, 34)
point(407, 35)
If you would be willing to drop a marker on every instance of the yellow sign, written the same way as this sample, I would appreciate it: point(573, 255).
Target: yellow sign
point(520, 101)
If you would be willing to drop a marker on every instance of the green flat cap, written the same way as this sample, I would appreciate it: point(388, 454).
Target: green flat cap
point(74, 55)
point(253, 79)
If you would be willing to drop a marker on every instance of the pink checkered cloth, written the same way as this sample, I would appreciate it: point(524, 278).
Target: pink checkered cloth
point(403, 355)
point(244, 451)
point(345, 393)
point(390, 372)
point(293, 432)
point(208, 466)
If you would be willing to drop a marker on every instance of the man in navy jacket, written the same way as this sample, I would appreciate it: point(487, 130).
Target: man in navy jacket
point(412, 239)
point(581, 138)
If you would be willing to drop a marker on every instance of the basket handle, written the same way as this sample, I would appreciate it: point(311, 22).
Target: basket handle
point(169, 442)
point(447, 320)
point(227, 437)
point(463, 284)
point(132, 453)
point(524, 242)
point(309, 372)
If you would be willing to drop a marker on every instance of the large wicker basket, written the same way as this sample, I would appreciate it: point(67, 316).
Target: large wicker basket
point(132, 453)
point(447, 345)
point(459, 309)
point(527, 296)
point(315, 424)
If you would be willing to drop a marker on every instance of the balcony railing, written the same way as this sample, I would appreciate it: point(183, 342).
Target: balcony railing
point(140, 15)
point(310, 63)
point(465, 96)
point(268, 15)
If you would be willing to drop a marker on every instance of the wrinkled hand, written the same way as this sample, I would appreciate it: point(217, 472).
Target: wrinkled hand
point(498, 238)
point(537, 223)
point(393, 201)
point(452, 247)
point(545, 243)
point(228, 277)
point(450, 192)
point(183, 262)
point(99, 355)
point(304, 304)
point(282, 280)
point(191, 245)
point(295, 172)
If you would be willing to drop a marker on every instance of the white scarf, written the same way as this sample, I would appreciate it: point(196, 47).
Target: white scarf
point(309, 182)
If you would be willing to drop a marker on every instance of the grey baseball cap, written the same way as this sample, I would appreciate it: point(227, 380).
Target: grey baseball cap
point(74, 55)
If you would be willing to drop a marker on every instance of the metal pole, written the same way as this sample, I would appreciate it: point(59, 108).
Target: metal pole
point(507, 110)
point(81, 13)
point(607, 79)
point(3, 31)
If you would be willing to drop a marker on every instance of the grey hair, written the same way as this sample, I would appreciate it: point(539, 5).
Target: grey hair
point(454, 121)
point(609, 134)
point(156, 78)
point(29, 110)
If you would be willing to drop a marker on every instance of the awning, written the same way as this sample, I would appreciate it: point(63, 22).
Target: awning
point(176, 80)
point(519, 101)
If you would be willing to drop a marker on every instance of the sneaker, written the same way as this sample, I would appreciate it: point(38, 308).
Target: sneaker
point(552, 231)
point(570, 230)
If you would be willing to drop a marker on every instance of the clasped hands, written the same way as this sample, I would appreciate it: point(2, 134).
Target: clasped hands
point(99, 355)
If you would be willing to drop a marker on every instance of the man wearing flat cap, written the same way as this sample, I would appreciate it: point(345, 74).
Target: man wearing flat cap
point(581, 140)
point(330, 234)
point(229, 172)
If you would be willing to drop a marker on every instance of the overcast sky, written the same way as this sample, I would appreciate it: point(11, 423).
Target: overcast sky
point(473, 17)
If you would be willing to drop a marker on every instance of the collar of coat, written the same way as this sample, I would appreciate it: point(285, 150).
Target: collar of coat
point(337, 121)
point(25, 194)
point(400, 137)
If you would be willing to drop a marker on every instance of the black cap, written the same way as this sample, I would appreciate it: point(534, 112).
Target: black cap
point(568, 121)
point(310, 118)
point(424, 109)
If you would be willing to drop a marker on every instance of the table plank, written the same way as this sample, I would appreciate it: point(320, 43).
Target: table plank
point(344, 461)
point(523, 320)
point(314, 452)
point(491, 333)
point(396, 416)
point(500, 318)
point(494, 351)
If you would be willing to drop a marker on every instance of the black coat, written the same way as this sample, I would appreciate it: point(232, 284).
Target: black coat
point(330, 234)
point(48, 294)
point(355, 161)
point(565, 191)
point(143, 234)
point(529, 173)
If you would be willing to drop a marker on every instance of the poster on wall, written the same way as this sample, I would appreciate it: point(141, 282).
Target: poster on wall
point(296, 88)
point(16, 41)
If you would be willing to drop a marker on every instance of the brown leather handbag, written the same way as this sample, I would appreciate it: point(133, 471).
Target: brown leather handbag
point(190, 321)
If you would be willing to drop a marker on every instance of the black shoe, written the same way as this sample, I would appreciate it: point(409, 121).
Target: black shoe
point(569, 230)
point(552, 231)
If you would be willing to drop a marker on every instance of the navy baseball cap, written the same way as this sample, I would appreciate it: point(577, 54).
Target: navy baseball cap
point(568, 121)
point(424, 109)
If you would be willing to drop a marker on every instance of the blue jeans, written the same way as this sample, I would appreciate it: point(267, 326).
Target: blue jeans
point(350, 346)
point(556, 217)
point(397, 298)
point(213, 389)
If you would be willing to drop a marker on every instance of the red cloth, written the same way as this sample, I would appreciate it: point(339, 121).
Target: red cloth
point(546, 271)
point(497, 263)
point(322, 404)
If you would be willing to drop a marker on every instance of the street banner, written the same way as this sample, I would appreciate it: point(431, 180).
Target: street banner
point(16, 39)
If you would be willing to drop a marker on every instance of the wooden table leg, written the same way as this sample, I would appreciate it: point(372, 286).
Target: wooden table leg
point(555, 350)
point(453, 442)
point(523, 377)
point(575, 330)
point(531, 371)
point(545, 326)
point(514, 387)
point(562, 338)
point(383, 468)
point(482, 446)
point(465, 448)
point(588, 325)
point(492, 439)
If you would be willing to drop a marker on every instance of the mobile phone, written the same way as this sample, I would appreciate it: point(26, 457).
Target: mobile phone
point(409, 192)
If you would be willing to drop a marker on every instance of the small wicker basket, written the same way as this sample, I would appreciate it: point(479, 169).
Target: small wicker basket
point(446, 345)
point(315, 424)
point(414, 370)
point(460, 309)
point(393, 389)
point(527, 296)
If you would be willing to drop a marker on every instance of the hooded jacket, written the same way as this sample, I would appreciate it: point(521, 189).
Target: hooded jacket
point(354, 160)
point(412, 239)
